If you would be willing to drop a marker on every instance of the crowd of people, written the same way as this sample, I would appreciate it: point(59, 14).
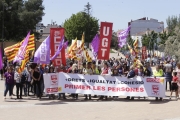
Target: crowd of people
point(31, 79)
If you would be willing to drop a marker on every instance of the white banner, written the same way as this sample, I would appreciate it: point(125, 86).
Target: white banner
point(99, 85)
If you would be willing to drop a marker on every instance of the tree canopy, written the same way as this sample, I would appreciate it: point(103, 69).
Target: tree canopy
point(172, 22)
point(172, 45)
point(150, 40)
point(78, 23)
point(20, 17)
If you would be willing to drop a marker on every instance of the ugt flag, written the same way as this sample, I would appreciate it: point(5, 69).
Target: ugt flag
point(20, 55)
point(42, 55)
point(123, 36)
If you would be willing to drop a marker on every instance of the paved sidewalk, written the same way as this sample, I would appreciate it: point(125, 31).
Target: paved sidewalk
point(31, 108)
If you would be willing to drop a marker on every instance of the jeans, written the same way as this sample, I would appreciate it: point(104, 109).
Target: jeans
point(25, 89)
point(19, 87)
point(9, 88)
point(28, 85)
point(36, 83)
point(42, 86)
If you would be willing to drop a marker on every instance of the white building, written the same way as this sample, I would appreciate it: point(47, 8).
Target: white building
point(144, 26)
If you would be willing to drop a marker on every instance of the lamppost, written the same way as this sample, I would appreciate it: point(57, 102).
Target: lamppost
point(2, 45)
point(2, 49)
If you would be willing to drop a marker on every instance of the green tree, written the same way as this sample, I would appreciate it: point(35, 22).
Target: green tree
point(172, 22)
point(78, 23)
point(172, 44)
point(20, 17)
point(164, 36)
point(150, 41)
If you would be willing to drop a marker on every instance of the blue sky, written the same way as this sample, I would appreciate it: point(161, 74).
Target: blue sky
point(119, 12)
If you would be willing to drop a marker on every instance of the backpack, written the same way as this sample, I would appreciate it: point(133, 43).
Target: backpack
point(23, 78)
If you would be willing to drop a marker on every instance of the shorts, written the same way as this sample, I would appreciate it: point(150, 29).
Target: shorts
point(174, 87)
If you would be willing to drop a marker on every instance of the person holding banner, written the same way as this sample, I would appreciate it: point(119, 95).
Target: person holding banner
point(131, 74)
point(158, 73)
point(106, 71)
point(36, 75)
point(75, 71)
point(125, 69)
point(61, 69)
point(89, 71)
point(51, 70)
point(146, 71)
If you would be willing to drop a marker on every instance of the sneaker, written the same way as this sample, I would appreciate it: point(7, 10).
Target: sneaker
point(170, 98)
point(4, 98)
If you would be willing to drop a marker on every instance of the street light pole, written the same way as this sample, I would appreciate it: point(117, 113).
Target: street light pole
point(2, 32)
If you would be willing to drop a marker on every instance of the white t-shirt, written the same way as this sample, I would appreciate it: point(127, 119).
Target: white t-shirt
point(168, 68)
point(16, 75)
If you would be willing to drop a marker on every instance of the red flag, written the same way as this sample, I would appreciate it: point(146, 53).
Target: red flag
point(56, 36)
point(105, 40)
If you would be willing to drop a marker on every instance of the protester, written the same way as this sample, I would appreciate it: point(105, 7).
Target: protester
point(41, 79)
point(158, 73)
point(106, 71)
point(9, 82)
point(36, 75)
point(141, 71)
point(115, 73)
point(75, 71)
point(61, 69)
point(17, 78)
point(131, 74)
point(24, 76)
point(147, 72)
point(125, 69)
point(174, 86)
point(89, 71)
point(168, 70)
point(70, 69)
point(51, 70)
point(28, 83)
point(178, 75)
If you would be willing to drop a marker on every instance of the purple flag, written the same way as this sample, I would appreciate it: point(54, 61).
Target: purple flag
point(95, 46)
point(42, 55)
point(162, 58)
point(59, 49)
point(20, 55)
point(1, 63)
point(169, 58)
point(123, 36)
point(66, 44)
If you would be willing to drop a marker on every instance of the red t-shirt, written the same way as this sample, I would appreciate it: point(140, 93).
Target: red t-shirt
point(60, 70)
point(175, 79)
point(69, 70)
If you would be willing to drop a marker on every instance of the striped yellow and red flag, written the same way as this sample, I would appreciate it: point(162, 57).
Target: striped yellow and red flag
point(78, 50)
point(73, 46)
point(23, 63)
point(131, 51)
point(87, 56)
point(136, 43)
point(12, 50)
